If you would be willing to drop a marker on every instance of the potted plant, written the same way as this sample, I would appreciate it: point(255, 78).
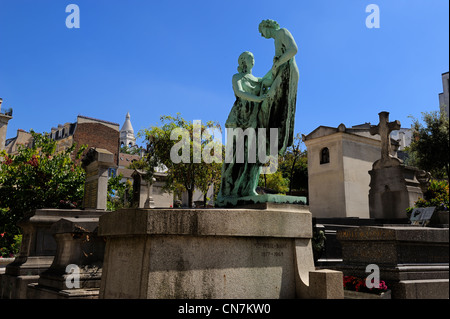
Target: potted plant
point(356, 288)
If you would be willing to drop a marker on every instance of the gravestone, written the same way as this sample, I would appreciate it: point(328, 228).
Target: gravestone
point(97, 162)
point(393, 186)
point(413, 261)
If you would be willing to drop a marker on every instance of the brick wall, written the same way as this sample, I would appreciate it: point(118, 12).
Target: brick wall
point(97, 135)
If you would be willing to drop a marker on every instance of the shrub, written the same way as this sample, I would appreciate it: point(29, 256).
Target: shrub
point(435, 196)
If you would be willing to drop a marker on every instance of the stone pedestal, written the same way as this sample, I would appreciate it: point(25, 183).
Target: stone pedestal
point(392, 190)
point(263, 252)
point(413, 261)
point(36, 252)
point(79, 248)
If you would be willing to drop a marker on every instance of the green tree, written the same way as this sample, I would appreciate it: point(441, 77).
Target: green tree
point(188, 174)
point(37, 177)
point(120, 194)
point(294, 165)
point(430, 145)
point(275, 182)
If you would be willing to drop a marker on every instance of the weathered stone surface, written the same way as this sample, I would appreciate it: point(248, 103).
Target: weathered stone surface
point(37, 250)
point(326, 284)
point(284, 222)
point(77, 245)
point(392, 190)
point(217, 253)
point(96, 163)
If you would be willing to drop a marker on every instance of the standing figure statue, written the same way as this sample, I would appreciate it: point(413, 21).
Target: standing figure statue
point(279, 106)
point(267, 102)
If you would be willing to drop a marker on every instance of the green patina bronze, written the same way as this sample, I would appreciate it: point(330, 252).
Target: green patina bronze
point(267, 102)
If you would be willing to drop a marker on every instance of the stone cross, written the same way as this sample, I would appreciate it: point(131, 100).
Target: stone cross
point(384, 129)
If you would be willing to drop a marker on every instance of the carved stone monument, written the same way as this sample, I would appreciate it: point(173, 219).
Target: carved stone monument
point(393, 186)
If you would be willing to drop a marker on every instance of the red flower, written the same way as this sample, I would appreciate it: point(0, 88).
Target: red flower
point(3, 234)
point(7, 160)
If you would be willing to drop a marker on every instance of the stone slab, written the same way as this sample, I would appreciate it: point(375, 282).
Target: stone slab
point(283, 222)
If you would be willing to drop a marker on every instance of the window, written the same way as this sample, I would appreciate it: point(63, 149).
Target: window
point(324, 156)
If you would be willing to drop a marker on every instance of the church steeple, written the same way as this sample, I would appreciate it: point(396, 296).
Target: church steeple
point(127, 133)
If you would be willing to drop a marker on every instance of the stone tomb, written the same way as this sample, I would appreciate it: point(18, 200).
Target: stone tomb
point(262, 252)
point(77, 246)
point(37, 250)
point(413, 261)
point(393, 186)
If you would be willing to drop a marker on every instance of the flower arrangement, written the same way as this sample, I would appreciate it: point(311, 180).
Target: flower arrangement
point(358, 284)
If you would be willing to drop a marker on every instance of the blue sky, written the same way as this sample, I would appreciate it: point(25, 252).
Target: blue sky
point(159, 58)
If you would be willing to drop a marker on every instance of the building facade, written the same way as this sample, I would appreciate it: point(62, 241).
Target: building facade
point(94, 133)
